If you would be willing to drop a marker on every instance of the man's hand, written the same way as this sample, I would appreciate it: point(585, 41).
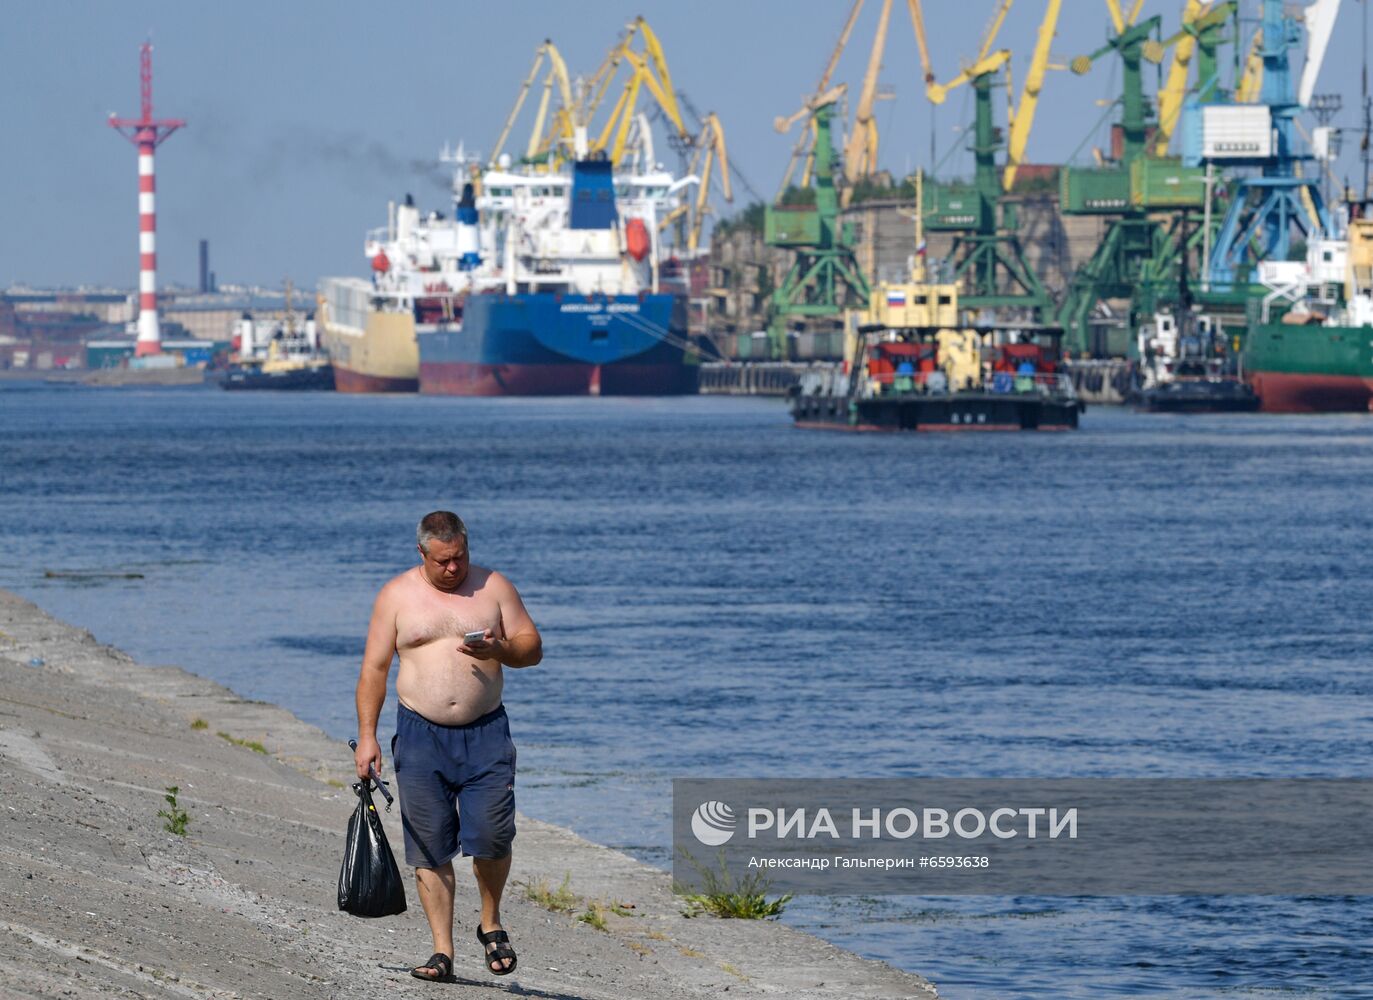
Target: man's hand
point(486, 648)
point(367, 754)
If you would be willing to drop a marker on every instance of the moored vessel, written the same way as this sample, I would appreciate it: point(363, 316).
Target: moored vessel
point(575, 307)
point(1188, 365)
point(1311, 350)
point(284, 355)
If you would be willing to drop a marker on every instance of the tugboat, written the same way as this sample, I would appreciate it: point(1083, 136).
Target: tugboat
point(1186, 366)
point(283, 356)
point(913, 365)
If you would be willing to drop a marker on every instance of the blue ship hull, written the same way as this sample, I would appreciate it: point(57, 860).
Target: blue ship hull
point(545, 344)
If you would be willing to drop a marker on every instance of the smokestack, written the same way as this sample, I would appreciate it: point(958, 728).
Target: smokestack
point(204, 266)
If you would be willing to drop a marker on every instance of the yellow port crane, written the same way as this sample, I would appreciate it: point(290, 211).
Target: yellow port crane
point(562, 128)
point(1021, 114)
point(860, 152)
point(710, 155)
point(1197, 18)
point(861, 143)
point(648, 69)
point(986, 62)
point(805, 142)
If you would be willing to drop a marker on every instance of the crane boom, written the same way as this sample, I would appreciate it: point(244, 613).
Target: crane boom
point(860, 154)
point(938, 93)
point(519, 101)
point(804, 140)
point(1024, 116)
point(839, 47)
point(1002, 10)
point(665, 94)
point(921, 42)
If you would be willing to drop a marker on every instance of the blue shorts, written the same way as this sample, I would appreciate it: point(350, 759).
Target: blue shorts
point(457, 787)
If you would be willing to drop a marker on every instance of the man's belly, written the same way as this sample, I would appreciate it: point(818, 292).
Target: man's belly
point(445, 686)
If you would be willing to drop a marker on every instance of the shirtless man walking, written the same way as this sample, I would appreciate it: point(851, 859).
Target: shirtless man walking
point(452, 745)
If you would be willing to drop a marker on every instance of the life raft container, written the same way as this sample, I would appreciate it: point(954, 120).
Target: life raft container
point(636, 238)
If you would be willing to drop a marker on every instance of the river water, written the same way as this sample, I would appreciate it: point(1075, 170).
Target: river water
point(720, 594)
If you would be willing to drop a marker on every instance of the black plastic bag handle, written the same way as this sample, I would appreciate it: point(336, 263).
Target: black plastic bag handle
point(381, 785)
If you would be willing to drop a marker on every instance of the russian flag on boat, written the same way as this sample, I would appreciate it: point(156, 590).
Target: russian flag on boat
point(896, 297)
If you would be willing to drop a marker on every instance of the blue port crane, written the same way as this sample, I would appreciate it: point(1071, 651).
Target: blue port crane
point(1269, 205)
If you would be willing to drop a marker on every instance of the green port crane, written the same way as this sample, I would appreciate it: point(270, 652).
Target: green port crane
point(989, 262)
point(1154, 202)
point(824, 278)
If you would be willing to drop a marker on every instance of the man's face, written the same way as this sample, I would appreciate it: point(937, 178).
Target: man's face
point(445, 563)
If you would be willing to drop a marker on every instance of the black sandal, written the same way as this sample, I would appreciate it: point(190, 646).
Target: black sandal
point(497, 945)
point(440, 963)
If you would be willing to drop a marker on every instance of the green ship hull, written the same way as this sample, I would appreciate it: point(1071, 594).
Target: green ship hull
point(1310, 369)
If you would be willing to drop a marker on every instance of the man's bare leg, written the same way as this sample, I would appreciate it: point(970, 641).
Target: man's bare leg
point(436, 898)
point(491, 874)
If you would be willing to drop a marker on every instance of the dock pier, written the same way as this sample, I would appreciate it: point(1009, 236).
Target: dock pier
point(757, 378)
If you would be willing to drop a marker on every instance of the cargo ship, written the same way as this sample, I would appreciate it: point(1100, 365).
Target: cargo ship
point(1311, 349)
point(422, 267)
point(542, 283)
point(577, 307)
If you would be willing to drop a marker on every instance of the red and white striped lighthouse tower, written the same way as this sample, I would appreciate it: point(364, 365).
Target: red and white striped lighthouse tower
point(146, 133)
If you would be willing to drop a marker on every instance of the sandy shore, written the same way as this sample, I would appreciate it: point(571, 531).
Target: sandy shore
point(97, 900)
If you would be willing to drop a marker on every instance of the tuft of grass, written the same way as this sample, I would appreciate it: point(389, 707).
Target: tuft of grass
point(252, 745)
point(174, 818)
point(594, 915)
point(200, 724)
point(745, 899)
point(656, 935)
point(334, 783)
point(559, 900)
point(690, 952)
point(733, 971)
point(639, 948)
point(622, 909)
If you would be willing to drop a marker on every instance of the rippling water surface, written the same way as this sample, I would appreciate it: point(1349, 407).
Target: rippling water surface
point(723, 595)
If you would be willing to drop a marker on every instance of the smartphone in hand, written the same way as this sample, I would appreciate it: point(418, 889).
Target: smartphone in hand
point(478, 636)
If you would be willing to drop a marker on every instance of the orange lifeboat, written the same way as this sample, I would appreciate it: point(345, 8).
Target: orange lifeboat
point(380, 263)
point(636, 238)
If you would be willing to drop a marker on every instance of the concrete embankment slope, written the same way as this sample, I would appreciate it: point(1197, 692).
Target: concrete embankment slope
point(97, 900)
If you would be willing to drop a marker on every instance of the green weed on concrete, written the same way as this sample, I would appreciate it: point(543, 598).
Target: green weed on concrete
point(745, 899)
point(175, 819)
point(559, 900)
point(252, 745)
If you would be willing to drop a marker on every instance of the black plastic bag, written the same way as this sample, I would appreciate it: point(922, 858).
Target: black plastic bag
point(369, 883)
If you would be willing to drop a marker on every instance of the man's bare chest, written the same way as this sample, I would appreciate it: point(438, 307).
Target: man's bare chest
point(430, 618)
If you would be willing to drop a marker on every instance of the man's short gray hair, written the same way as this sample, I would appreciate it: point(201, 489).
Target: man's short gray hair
point(441, 524)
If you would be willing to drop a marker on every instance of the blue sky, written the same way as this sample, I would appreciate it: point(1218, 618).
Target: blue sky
point(305, 117)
